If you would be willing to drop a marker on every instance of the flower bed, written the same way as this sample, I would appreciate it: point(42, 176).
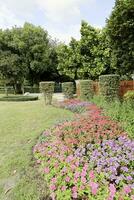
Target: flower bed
point(89, 157)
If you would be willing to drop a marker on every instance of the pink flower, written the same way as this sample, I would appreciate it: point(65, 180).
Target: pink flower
point(77, 174)
point(112, 191)
point(53, 180)
point(83, 179)
point(52, 187)
point(82, 187)
point(127, 189)
point(132, 197)
point(73, 167)
point(67, 179)
point(53, 196)
point(77, 163)
point(74, 195)
point(83, 173)
point(63, 188)
point(91, 175)
point(94, 187)
point(74, 189)
point(46, 170)
point(85, 167)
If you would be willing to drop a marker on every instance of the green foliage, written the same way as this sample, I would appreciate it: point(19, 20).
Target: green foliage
point(109, 86)
point(68, 89)
point(88, 57)
point(120, 28)
point(27, 53)
point(86, 89)
point(47, 88)
point(129, 96)
point(69, 59)
point(122, 112)
point(19, 98)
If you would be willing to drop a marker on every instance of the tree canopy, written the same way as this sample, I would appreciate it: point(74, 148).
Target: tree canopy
point(120, 31)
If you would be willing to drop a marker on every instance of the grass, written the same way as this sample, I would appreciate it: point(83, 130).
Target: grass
point(118, 111)
point(20, 125)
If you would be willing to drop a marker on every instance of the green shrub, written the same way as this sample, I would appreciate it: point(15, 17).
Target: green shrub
point(68, 89)
point(86, 89)
point(47, 88)
point(19, 98)
point(129, 96)
point(122, 112)
point(109, 86)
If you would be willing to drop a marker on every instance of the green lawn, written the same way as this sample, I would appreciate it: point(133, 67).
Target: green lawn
point(20, 125)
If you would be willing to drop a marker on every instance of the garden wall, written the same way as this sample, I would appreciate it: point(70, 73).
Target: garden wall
point(124, 87)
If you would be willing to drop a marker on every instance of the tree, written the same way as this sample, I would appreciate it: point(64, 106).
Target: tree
point(35, 51)
point(69, 59)
point(86, 58)
point(11, 67)
point(94, 51)
point(120, 31)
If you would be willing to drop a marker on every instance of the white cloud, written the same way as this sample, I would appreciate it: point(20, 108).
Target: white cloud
point(61, 10)
point(63, 16)
point(7, 18)
point(72, 31)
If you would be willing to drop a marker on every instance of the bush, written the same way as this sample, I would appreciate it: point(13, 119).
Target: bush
point(129, 96)
point(47, 88)
point(86, 89)
point(109, 86)
point(19, 98)
point(122, 112)
point(68, 89)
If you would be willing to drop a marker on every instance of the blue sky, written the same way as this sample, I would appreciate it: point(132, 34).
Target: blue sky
point(62, 18)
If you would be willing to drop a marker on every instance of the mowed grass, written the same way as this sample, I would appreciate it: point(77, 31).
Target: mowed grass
point(21, 123)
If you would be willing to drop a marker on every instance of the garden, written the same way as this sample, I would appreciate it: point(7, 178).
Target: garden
point(67, 109)
point(92, 155)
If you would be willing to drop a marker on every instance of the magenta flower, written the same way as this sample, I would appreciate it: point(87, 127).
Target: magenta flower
point(83, 180)
point(77, 175)
point(64, 188)
point(94, 187)
point(52, 187)
point(53, 180)
point(74, 189)
point(112, 191)
point(126, 189)
point(74, 195)
point(83, 173)
point(67, 179)
point(91, 175)
point(46, 170)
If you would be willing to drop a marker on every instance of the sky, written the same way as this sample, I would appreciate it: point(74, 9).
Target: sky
point(61, 18)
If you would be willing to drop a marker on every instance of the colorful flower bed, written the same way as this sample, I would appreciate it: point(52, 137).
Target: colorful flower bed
point(89, 157)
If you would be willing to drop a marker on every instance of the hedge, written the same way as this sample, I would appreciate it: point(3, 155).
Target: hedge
point(109, 86)
point(47, 88)
point(86, 89)
point(68, 89)
point(19, 98)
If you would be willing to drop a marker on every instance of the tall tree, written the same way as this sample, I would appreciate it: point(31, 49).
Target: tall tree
point(11, 67)
point(86, 58)
point(120, 30)
point(35, 51)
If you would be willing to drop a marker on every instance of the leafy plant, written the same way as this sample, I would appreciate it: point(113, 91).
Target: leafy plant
point(47, 88)
point(68, 89)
